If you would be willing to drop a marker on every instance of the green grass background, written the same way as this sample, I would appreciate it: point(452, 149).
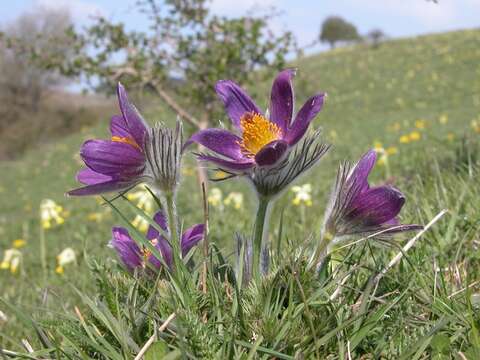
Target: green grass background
point(374, 95)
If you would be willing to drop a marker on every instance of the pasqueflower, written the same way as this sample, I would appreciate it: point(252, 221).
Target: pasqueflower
point(259, 139)
point(135, 153)
point(135, 256)
point(357, 209)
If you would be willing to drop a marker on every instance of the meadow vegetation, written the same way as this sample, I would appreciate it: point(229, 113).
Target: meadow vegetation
point(415, 101)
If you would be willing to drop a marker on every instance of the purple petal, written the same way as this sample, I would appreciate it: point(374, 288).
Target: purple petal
point(271, 153)
point(281, 100)
point(137, 126)
point(87, 176)
point(221, 141)
point(191, 237)
point(165, 250)
point(306, 114)
point(119, 127)
point(359, 176)
point(236, 100)
point(126, 248)
point(376, 206)
point(226, 164)
point(106, 187)
point(161, 220)
point(112, 158)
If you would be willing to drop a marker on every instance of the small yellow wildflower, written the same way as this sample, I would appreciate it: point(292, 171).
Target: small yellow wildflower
point(215, 197)
point(50, 212)
point(19, 243)
point(140, 223)
point(450, 136)
point(392, 150)
point(415, 136)
point(235, 199)
point(404, 139)
point(475, 126)
point(377, 146)
point(302, 195)
point(443, 119)
point(144, 202)
point(11, 260)
point(95, 216)
point(420, 124)
point(67, 256)
point(188, 171)
point(219, 174)
point(333, 134)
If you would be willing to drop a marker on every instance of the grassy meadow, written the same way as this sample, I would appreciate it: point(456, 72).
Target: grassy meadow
point(417, 101)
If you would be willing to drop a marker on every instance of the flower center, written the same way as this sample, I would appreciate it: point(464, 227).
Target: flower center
point(146, 252)
point(257, 132)
point(125, 140)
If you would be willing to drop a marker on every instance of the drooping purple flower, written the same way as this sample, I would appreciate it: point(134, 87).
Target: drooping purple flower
point(357, 209)
point(260, 140)
point(134, 256)
point(134, 154)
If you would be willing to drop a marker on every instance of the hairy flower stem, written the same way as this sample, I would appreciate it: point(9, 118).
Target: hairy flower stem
point(321, 251)
point(172, 221)
point(260, 235)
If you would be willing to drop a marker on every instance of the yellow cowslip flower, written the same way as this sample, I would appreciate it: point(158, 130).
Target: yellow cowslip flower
point(443, 119)
point(95, 216)
point(235, 199)
point(18, 243)
point(144, 202)
point(219, 174)
point(392, 150)
point(67, 256)
point(404, 139)
point(215, 197)
point(143, 198)
point(188, 171)
point(140, 223)
point(377, 146)
point(302, 195)
point(475, 126)
point(51, 212)
point(450, 136)
point(333, 134)
point(420, 124)
point(11, 260)
point(414, 136)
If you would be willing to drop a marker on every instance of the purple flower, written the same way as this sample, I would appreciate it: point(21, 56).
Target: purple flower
point(358, 209)
point(134, 256)
point(260, 140)
point(134, 154)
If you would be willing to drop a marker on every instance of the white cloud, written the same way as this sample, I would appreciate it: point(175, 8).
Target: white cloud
point(81, 10)
point(236, 7)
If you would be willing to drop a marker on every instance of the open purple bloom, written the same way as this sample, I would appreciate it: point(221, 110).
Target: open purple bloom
point(134, 154)
point(358, 209)
point(259, 140)
point(134, 256)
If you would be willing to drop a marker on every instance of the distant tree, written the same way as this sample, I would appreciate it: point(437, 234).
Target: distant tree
point(376, 36)
point(184, 42)
point(42, 34)
point(335, 29)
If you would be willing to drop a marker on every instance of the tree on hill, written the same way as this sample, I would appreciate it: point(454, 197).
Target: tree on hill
point(335, 29)
point(376, 36)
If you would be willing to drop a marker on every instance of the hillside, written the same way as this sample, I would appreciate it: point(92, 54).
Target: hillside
point(417, 97)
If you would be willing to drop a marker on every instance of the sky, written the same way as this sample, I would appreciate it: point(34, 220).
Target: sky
point(397, 18)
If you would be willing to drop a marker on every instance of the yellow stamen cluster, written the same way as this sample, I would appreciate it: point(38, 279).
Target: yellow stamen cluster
point(146, 252)
point(125, 140)
point(257, 132)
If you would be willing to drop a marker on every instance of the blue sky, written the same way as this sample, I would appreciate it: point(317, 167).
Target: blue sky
point(397, 18)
